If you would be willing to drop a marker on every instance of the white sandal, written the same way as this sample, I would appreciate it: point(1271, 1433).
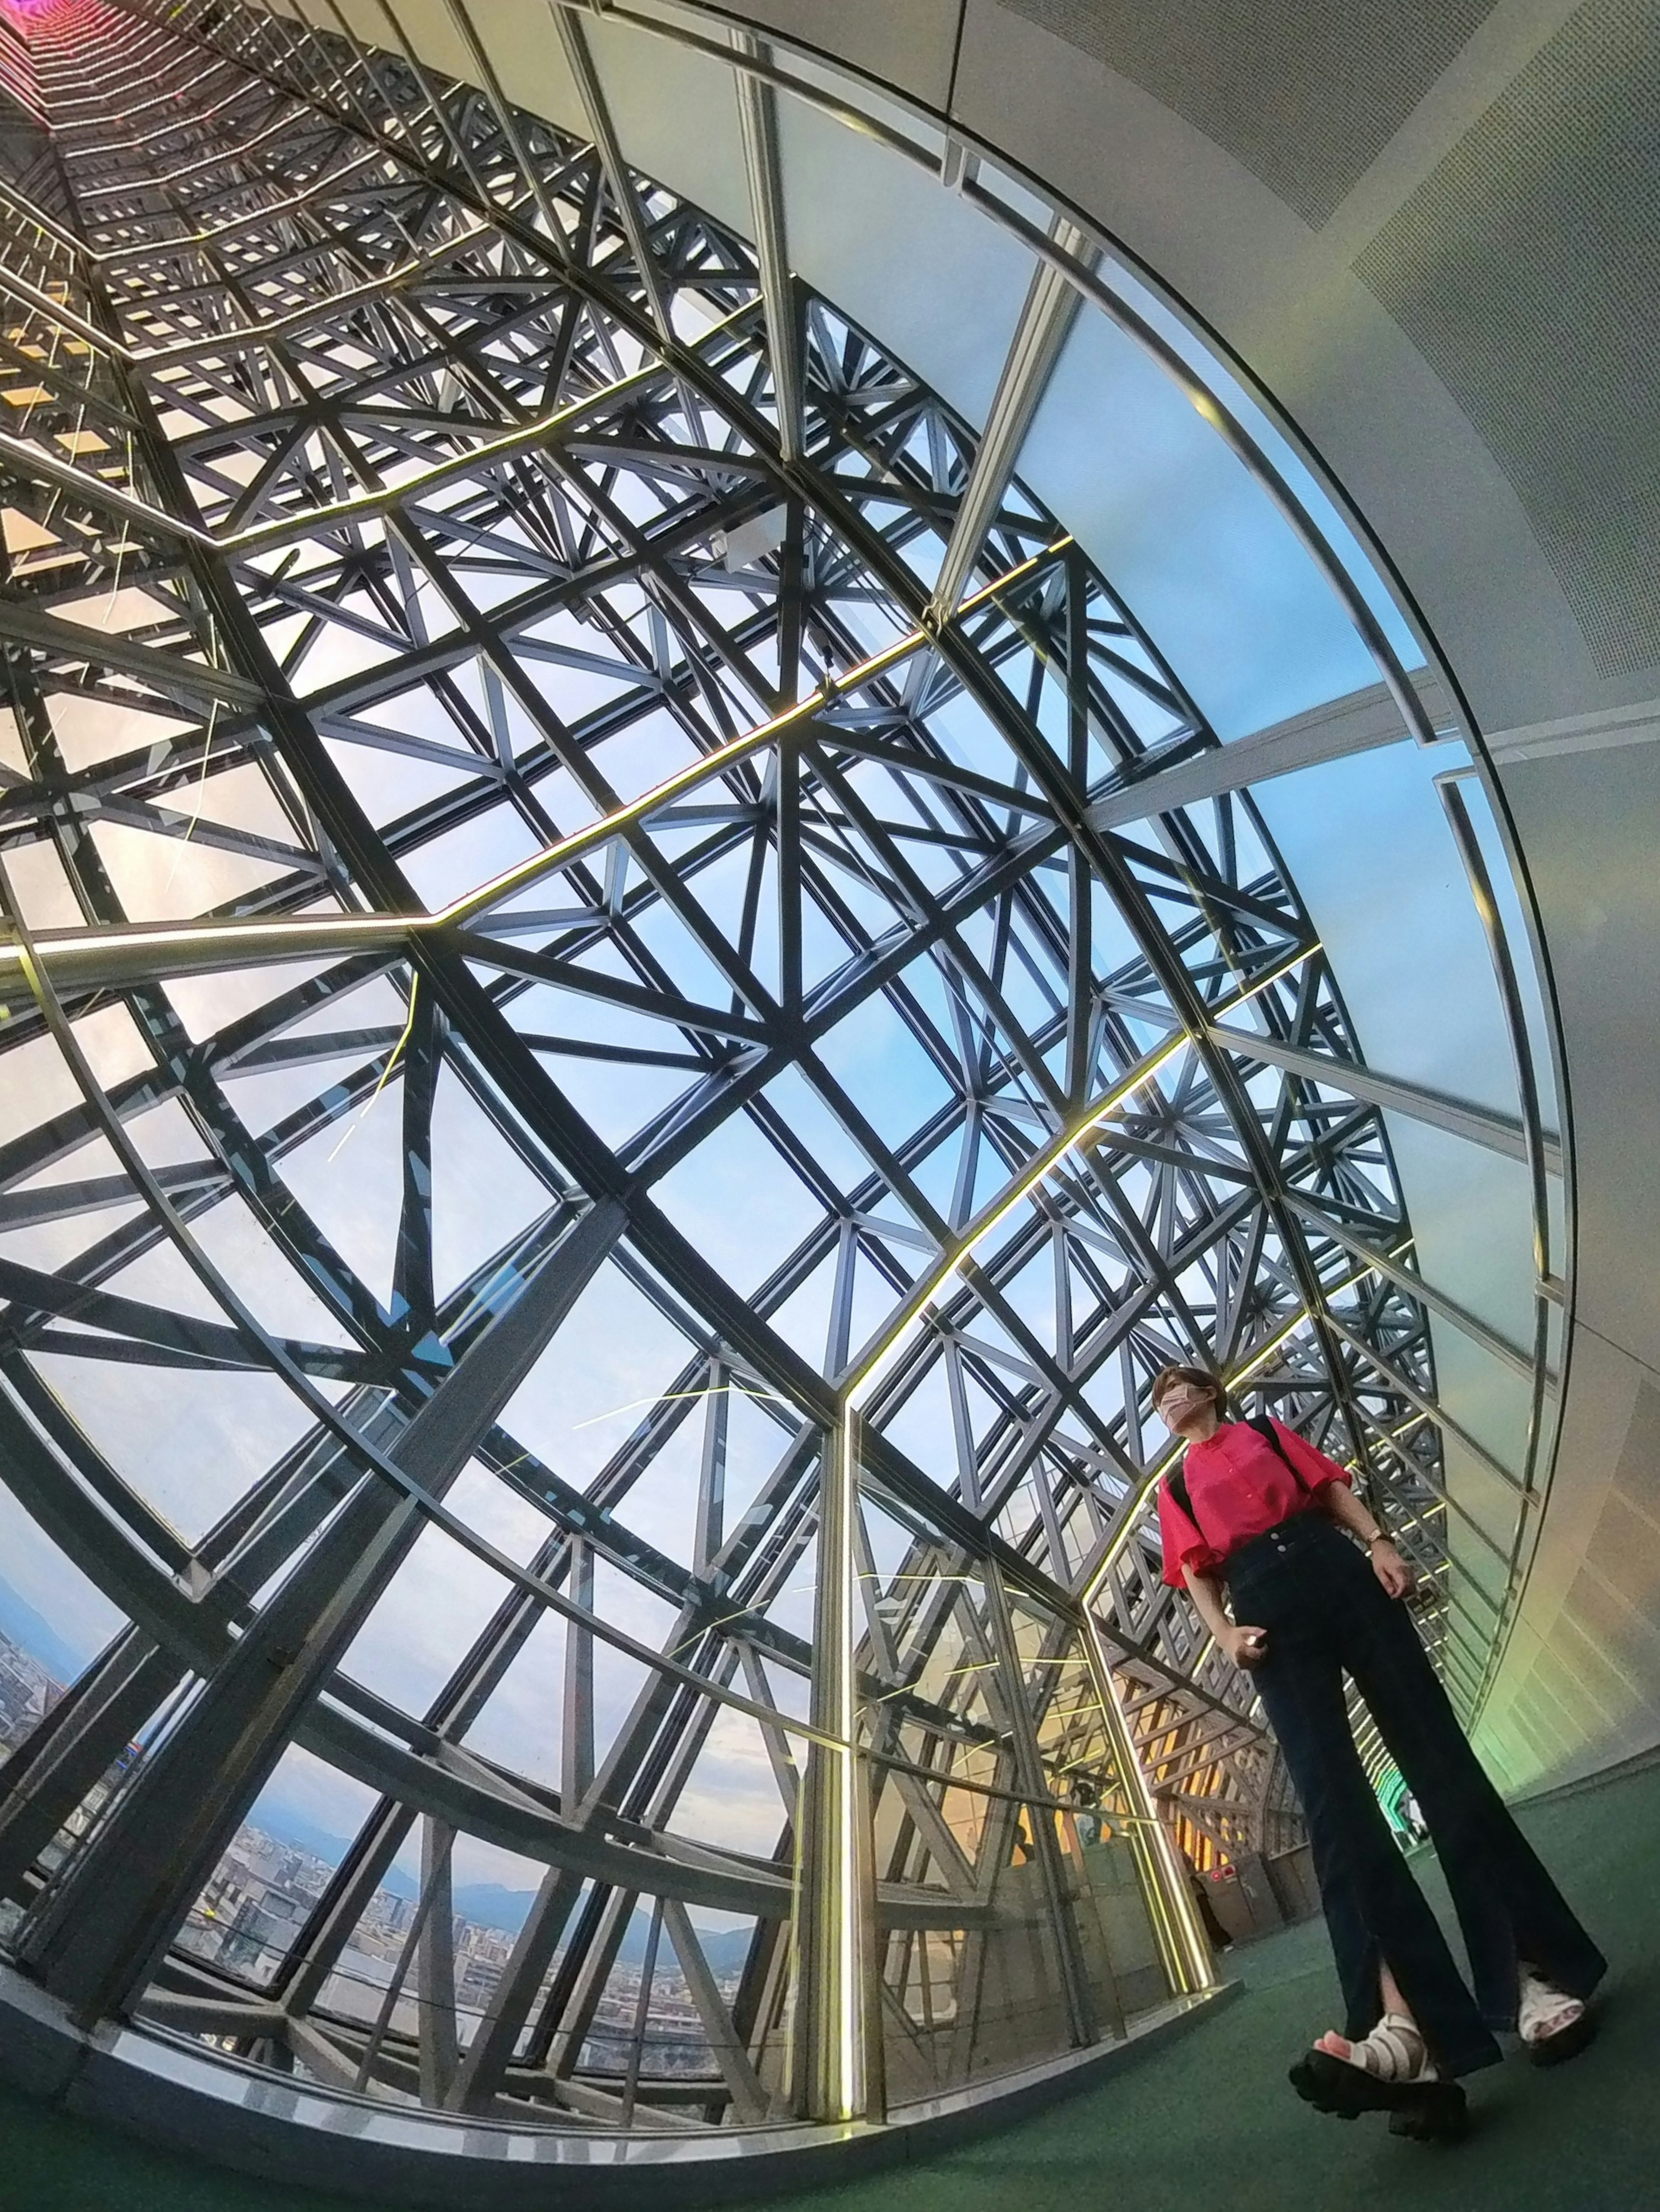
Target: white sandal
point(1390, 2071)
point(1553, 2025)
point(1394, 2052)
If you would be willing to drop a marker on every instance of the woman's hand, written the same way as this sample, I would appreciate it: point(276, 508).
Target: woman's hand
point(1246, 1647)
point(1390, 1569)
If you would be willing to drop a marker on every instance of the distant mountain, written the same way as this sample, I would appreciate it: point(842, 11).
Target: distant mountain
point(288, 1826)
point(491, 1904)
point(20, 1621)
point(726, 1949)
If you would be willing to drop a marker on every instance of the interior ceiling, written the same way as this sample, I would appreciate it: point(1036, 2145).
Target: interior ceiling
point(1522, 281)
point(1290, 92)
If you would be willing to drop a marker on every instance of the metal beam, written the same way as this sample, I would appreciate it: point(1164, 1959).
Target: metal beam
point(757, 123)
point(1459, 1117)
point(575, 41)
point(1434, 1412)
point(1363, 1247)
point(167, 674)
point(1046, 316)
point(146, 1870)
point(1359, 722)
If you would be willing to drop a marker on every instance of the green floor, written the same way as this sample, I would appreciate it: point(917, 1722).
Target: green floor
point(1209, 2122)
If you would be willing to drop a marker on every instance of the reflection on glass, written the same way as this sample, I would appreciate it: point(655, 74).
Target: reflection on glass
point(993, 1790)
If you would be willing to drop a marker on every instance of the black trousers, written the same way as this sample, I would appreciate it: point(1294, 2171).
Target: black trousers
point(1327, 1615)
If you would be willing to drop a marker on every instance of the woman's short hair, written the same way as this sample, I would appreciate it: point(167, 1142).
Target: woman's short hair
point(1200, 1377)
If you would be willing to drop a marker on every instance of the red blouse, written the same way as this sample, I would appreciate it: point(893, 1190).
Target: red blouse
point(1239, 1487)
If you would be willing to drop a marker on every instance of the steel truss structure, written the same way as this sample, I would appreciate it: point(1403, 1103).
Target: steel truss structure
point(511, 695)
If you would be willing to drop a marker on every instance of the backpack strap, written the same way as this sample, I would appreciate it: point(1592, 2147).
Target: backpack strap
point(1270, 1435)
point(1177, 1481)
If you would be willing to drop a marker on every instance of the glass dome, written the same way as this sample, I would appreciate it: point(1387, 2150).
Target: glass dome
point(613, 1094)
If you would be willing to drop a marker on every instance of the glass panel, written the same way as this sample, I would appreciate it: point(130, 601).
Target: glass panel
point(1012, 1916)
point(782, 1016)
point(1107, 1869)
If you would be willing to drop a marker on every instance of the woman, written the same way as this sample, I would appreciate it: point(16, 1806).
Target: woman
point(1257, 1511)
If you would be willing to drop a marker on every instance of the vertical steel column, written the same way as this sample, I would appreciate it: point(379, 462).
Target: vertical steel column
point(710, 1533)
point(490, 2052)
point(837, 2044)
point(1182, 1943)
point(1046, 319)
point(435, 1962)
point(757, 118)
point(1034, 1786)
point(75, 1745)
point(486, 2059)
point(576, 1734)
point(597, 108)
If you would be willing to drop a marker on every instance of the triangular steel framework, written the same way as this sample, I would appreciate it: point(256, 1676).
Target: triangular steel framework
point(440, 698)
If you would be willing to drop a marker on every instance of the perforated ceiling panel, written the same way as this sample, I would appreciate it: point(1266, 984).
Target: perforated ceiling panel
point(1306, 96)
point(1524, 269)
